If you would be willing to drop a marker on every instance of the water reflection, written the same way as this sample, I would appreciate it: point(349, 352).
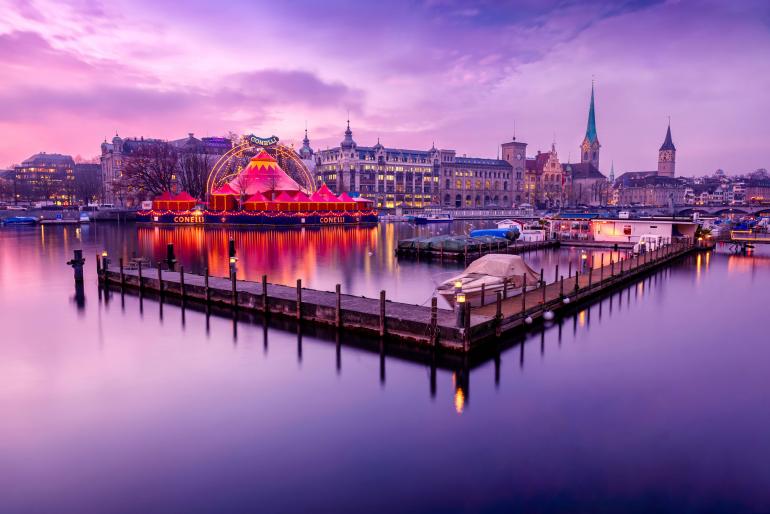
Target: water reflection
point(172, 404)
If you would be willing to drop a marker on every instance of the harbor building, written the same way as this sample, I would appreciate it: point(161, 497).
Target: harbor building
point(47, 177)
point(475, 182)
point(389, 176)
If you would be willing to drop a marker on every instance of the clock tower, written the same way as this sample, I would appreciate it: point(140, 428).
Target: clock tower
point(589, 149)
point(515, 153)
point(667, 156)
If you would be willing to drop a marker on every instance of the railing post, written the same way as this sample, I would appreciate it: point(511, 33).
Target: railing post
point(569, 272)
point(141, 282)
point(577, 279)
point(122, 274)
point(160, 279)
point(524, 294)
point(181, 282)
point(499, 315)
point(561, 287)
point(556, 274)
point(612, 267)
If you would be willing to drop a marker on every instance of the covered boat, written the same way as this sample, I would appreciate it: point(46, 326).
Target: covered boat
point(495, 272)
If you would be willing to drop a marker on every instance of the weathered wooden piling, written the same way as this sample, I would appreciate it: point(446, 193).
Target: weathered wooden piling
point(122, 274)
point(160, 279)
point(207, 289)
point(264, 294)
point(434, 320)
point(382, 313)
point(299, 298)
point(338, 305)
point(181, 283)
point(499, 315)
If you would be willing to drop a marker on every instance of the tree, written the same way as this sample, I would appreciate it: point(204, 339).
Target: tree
point(151, 168)
point(88, 187)
point(194, 170)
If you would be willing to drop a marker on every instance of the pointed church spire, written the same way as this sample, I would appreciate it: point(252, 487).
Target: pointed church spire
point(612, 172)
point(591, 135)
point(668, 143)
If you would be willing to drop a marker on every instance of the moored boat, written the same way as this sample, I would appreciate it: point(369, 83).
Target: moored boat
point(442, 217)
point(20, 220)
point(493, 272)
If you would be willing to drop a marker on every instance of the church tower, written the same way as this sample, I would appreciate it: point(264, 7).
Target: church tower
point(589, 149)
point(667, 156)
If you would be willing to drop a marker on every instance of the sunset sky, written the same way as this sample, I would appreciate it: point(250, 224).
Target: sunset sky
point(410, 72)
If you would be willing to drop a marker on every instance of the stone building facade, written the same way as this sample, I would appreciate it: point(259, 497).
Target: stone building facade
point(47, 177)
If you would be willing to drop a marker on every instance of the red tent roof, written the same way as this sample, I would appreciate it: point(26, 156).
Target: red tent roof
point(263, 156)
point(184, 196)
point(301, 197)
point(344, 197)
point(323, 194)
point(257, 197)
point(165, 195)
point(263, 175)
point(226, 189)
point(284, 197)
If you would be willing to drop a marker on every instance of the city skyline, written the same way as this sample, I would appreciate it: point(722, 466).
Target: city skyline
point(77, 72)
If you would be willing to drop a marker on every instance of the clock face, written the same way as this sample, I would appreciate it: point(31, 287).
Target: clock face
point(518, 156)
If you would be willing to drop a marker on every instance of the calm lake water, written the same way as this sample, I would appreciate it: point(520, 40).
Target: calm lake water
point(654, 399)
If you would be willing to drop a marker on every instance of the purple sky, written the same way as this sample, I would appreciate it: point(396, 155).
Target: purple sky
point(412, 72)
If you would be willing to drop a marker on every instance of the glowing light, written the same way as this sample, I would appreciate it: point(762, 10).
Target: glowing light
point(460, 297)
point(459, 400)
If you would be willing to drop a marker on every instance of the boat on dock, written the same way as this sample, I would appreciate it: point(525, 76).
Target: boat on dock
point(489, 273)
point(440, 217)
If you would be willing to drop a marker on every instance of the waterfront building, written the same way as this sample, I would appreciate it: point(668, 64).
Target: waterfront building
point(116, 155)
point(47, 177)
point(475, 182)
point(389, 176)
point(545, 183)
point(656, 188)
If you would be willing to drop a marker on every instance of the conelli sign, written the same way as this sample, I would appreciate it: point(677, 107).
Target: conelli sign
point(263, 141)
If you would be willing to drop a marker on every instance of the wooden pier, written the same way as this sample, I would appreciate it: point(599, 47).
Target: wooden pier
point(480, 249)
point(415, 324)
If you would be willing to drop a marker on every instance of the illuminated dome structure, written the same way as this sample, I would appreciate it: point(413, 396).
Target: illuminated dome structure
point(259, 182)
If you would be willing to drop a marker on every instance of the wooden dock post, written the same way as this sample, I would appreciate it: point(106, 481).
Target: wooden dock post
point(543, 286)
point(338, 306)
point(206, 289)
point(601, 271)
point(264, 294)
point(499, 315)
point(141, 282)
point(569, 273)
point(561, 287)
point(434, 320)
point(505, 288)
point(382, 313)
point(483, 293)
point(524, 294)
point(98, 265)
point(299, 298)
point(542, 278)
point(612, 267)
point(556, 275)
point(182, 290)
point(621, 264)
point(234, 283)
point(122, 275)
point(590, 274)
point(577, 280)
point(170, 257)
point(160, 280)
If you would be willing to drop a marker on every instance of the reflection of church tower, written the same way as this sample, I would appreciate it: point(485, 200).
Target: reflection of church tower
point(667, 156)
point(589, 149)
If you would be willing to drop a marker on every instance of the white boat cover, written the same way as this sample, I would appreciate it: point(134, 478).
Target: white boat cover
point(503, 266)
